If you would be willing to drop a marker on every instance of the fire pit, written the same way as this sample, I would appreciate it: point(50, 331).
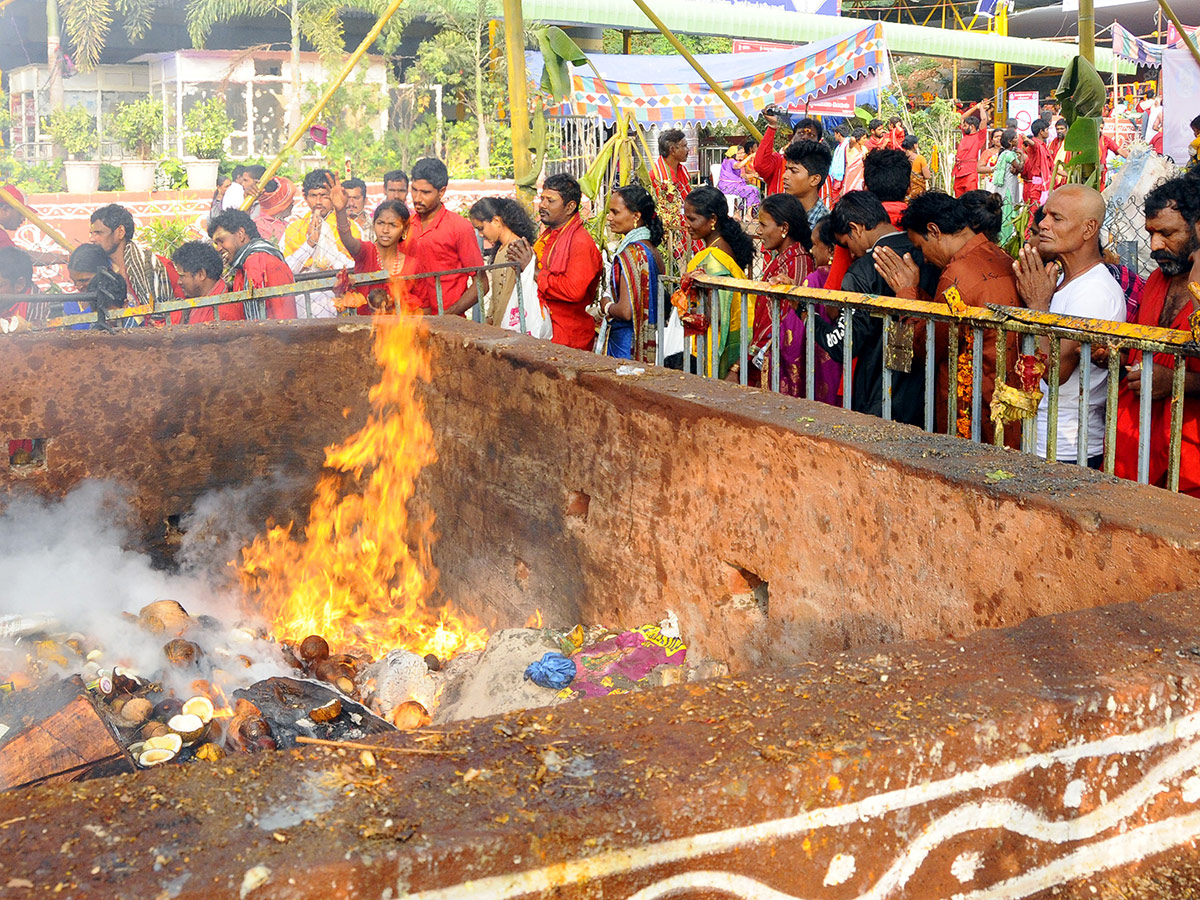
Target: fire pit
point(329, 635)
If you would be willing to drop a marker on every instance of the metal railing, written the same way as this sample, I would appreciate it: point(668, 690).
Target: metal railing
point(1028, 326)
point(303, 287)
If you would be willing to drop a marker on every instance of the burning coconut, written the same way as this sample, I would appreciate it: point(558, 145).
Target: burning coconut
point(319, 605)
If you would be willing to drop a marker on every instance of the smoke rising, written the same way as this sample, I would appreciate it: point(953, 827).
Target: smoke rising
point(67, 560)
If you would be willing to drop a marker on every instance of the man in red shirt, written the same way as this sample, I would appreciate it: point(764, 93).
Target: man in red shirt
point(974, 139)
point(255, 262)
point(877, 135)
point(569, 264)
point(200, 267)
point(769, 162)
point(438, 241)
point(1173, 222)
point(1038, 173)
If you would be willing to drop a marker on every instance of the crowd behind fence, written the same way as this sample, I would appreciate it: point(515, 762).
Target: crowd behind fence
point(996, 321)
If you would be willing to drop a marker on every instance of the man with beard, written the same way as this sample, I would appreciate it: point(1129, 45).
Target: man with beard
point(568, 263)
point(1173, 222)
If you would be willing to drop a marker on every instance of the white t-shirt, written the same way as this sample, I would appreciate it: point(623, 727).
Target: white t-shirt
point(1093, 295)
point(235, 196)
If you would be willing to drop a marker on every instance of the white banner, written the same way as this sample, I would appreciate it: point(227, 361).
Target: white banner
point(1181, 87)
point(1023, 106)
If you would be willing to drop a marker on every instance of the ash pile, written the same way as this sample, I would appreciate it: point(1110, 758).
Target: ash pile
point(72, 709)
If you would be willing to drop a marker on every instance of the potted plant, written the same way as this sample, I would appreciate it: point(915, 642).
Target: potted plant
point(139, 128)
point(74, 129)
point(207, 126)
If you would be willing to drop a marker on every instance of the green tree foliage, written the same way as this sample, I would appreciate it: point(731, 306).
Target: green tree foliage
point(88, 23)
point(138, 125)
point(207, 125)
point(461, 58)
point(654, 44)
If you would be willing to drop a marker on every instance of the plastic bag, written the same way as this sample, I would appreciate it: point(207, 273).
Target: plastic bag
point(537, 315)
point(553, 670)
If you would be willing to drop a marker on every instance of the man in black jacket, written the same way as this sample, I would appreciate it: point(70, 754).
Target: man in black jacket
point(860, 223)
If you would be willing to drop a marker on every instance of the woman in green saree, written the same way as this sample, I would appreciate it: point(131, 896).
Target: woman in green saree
point(727, 251)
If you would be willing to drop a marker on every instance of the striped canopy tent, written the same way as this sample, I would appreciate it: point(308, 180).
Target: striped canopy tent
point(657, 90)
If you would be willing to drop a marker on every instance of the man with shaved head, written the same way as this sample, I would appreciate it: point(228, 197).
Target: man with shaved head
point(1065, 274)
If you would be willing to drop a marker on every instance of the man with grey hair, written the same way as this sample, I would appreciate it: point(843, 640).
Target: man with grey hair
point(1065, 274)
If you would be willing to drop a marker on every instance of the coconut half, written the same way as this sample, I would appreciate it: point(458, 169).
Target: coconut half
point(188, 726)
point(155, 756)
point(201, 707)
point(326, 712)
point(172, 742)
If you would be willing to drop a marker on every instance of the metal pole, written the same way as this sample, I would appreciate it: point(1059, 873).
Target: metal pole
point(686, 54)
point(518, 99)
point(325, 98)
point(1000, 73)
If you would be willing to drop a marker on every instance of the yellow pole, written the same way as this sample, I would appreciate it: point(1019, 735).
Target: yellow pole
point(683, 51)
point(1000, 77)
point(316, 110)
point(1087, 31)
point(518, 97)
point(1183, 33)
point(36, 220)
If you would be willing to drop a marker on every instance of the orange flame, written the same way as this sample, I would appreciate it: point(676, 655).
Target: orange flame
point(361, 574)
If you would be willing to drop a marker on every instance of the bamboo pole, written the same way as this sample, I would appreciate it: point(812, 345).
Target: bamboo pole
point(302, 129)
point(518, 97)
point(1087, 30)
point(37, 220)
point(683, 51)
point(1183, 33)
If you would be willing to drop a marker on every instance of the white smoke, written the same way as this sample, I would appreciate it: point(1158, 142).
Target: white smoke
point(66, 560)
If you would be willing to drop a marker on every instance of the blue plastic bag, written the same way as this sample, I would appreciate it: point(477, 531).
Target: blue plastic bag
point(552, 671)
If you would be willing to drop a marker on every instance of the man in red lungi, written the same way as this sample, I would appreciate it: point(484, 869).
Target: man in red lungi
point(1173, 222)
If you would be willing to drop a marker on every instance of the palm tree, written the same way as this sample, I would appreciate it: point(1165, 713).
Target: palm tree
point(317, 21)
point(88, 22)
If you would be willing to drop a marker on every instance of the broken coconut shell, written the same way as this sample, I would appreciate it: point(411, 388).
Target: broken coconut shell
point(326, 712)
point(410, 715)
point(136, 711)
point(188, 726)
point(155, 756)
point(201, 707)
point(210, 752)
point(172, 742)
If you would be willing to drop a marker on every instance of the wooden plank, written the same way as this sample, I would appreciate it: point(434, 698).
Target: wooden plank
point(59, 736)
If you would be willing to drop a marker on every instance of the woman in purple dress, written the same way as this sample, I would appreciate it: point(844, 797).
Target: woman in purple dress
point(732, 181)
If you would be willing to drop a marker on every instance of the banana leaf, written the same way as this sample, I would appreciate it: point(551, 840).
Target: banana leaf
point(1082, 93)
point(538, 146)
point(559, 53)
point(593, 178)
